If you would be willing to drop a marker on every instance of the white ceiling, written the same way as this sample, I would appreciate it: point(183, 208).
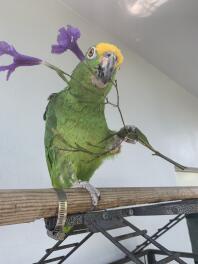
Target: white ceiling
point(168, 38)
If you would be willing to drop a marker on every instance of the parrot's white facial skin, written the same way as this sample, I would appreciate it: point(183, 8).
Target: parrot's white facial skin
point(97, 82)
point(105, 71)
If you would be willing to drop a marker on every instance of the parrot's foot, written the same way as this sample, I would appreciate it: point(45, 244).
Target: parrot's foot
point(94, 193)
point(128, 134)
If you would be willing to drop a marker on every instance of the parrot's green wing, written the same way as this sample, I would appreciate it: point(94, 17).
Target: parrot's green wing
point(53, 95)
point(61, 168)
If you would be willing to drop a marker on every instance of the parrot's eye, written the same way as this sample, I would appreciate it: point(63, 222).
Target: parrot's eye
point(91, 54)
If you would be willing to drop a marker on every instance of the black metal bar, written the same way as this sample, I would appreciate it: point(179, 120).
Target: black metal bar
point(75, 248)
point(181, 254)
point(63, 247)
point(160, 232)
point(117, 244)
point(126, 236)
point(151, 257)
point(48, 253)
point(167, 259)
point(78, 232)
point(155, 243)
point(169, 208)
point(52, 260)
point(156, 235)
point(121, 261)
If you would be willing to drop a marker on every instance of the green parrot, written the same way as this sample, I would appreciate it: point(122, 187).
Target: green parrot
point(77, 137)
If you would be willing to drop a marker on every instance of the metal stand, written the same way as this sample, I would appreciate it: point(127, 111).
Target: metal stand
point(102, 221)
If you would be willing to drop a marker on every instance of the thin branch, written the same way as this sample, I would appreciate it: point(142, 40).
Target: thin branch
point(118, 102)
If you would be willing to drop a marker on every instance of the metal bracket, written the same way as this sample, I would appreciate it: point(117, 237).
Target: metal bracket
point(104, 221)
point(56, 231)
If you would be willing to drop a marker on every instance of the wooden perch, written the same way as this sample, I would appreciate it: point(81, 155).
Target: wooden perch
point(23, 206)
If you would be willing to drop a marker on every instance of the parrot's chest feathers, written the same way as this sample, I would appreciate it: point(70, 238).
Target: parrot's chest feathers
point(73, 125)
point(88, 123)
point(83, 124)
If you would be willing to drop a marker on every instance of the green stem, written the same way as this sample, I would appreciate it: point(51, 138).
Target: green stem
point(60, 72)
point(157, 153)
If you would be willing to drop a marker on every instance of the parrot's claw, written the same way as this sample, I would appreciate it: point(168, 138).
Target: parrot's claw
point(94, 193)
point(128, 134)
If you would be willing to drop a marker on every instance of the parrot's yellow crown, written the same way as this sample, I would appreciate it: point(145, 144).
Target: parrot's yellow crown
point(103, 47)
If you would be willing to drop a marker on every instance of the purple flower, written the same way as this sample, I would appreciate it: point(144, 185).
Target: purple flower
point(18, 59)
point(67, 39)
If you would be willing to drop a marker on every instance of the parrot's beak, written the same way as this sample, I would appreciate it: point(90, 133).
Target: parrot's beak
point(105, 70)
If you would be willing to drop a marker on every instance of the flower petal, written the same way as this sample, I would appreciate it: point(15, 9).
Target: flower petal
point(18, 59)
point(11, 69)
point(5, 48)
point(58, 49)
point(67, 39)
point(63, 37)
point(74, 32)
point(24, 60)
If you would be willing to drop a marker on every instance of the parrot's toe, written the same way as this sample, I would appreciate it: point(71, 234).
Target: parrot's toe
point(94, 193)
point(128, 134)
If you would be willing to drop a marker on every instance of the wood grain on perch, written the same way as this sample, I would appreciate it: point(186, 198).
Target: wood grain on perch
point(23, 206)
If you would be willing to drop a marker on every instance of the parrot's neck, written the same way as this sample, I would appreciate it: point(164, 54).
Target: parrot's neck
point(81, 86)
point(86, 94)
point(85, 102)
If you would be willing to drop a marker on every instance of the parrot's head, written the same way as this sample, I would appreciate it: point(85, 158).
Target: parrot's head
point(104, 59)
point(99, 67)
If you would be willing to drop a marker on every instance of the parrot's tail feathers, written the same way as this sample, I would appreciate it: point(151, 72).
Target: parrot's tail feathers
point(67, 229)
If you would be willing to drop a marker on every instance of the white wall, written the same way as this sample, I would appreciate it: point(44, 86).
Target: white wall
point(149, 99)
